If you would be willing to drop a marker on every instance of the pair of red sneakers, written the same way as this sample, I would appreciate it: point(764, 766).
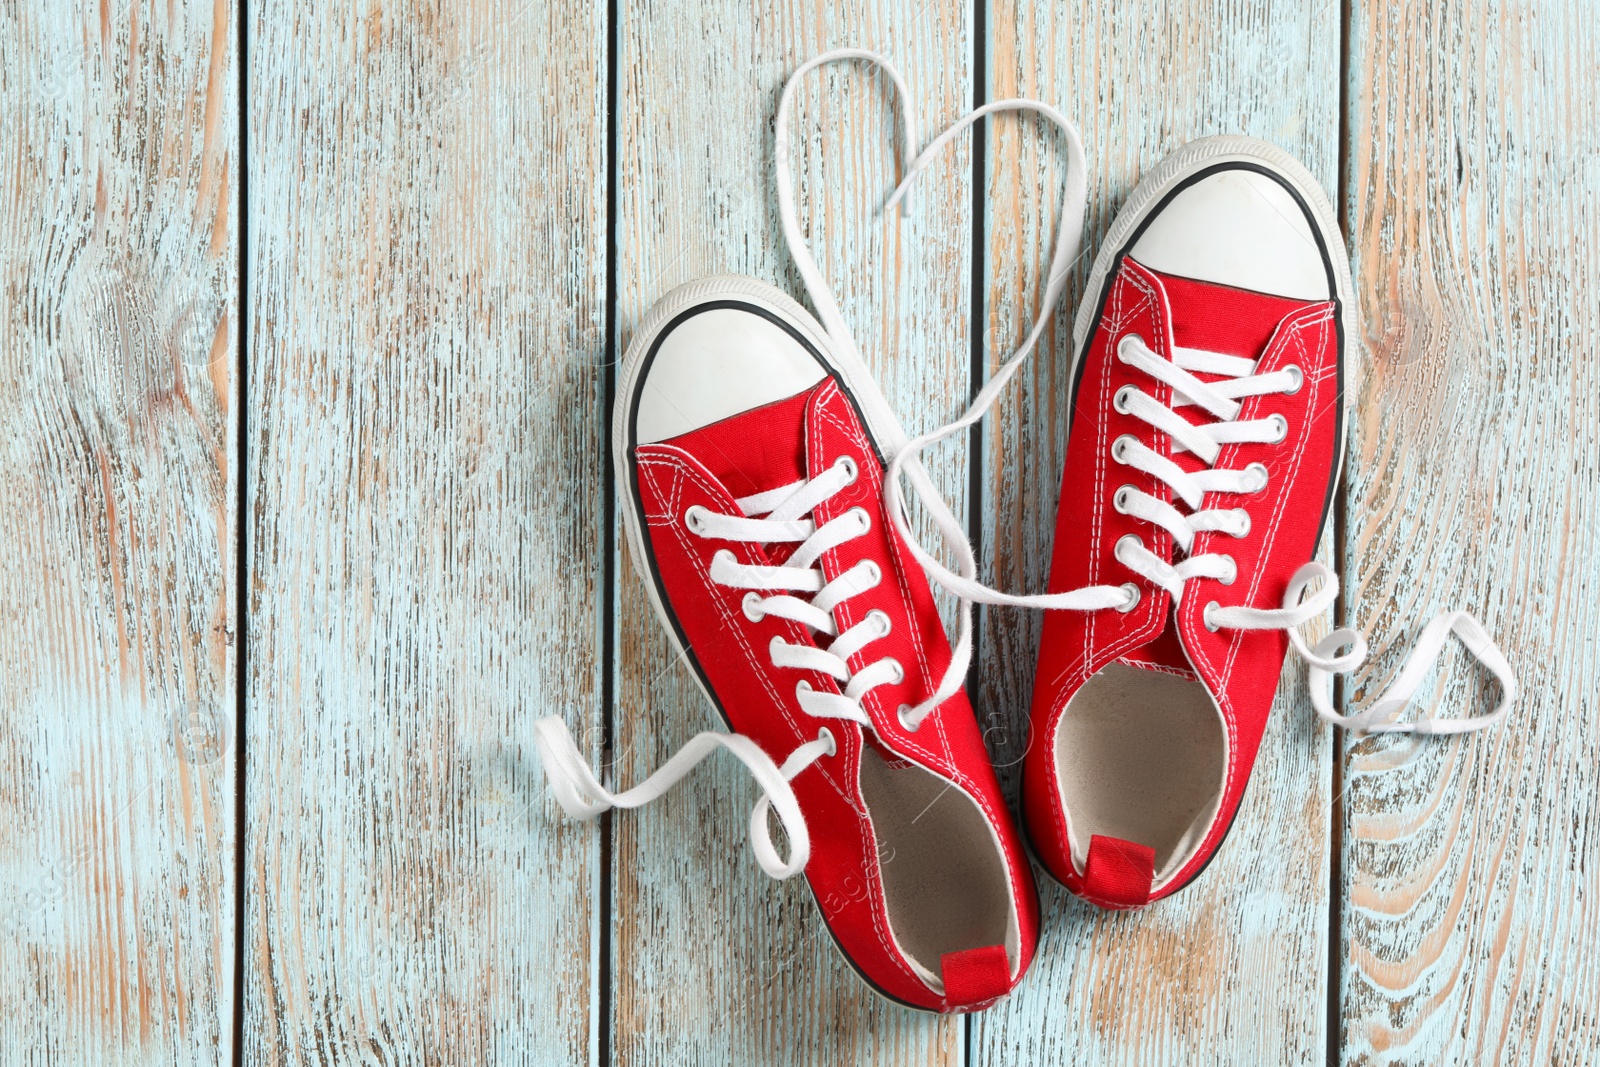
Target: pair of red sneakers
point(760, 468)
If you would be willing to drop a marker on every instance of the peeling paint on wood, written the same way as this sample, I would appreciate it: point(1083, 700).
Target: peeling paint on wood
point(118, 286)
point(427, 328)
point(1472, 935)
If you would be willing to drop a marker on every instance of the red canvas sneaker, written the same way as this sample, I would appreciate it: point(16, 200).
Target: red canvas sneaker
point(1206, 439)
point(751, 459)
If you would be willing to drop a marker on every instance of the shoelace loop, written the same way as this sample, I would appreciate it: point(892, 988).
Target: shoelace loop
point(905, 459)
point(582, 795)
point(780, 516)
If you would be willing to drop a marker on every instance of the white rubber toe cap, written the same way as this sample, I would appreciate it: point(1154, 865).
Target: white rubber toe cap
point(715, 364)
point(1237, 227)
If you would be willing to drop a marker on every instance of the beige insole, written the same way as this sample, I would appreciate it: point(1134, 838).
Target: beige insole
point(943, 877)
point(1141, 756)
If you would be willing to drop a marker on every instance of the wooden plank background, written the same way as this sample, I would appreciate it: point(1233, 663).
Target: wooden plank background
point(451, 218)
point(119, 403)
point(426, 513)
point(1471, 912)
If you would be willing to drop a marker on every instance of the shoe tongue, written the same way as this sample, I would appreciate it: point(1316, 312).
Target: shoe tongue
point(1220, 318)
point(756, 450)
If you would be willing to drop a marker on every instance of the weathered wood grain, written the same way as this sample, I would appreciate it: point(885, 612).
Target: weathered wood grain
point(118, 401)
point(1470, 915)
point(427, 317)
point(1233, 969)
point(712, 962)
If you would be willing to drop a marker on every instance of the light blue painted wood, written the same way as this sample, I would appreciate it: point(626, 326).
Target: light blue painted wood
point(1471, 926)
point(428, 271)
point(118, 404)
point(1233, 969)
point(712, 962)
point(427, 277)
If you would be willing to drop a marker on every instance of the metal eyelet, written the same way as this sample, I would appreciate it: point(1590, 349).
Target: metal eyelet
point(1244, 517)
point(850, 468)
point(752, 607)
point(801, 687)
point(1283, 428)
point(1205, 616)
point(874, 575)
point(826, 734)
point(861, 517)
point(1299, 379)
point(1233, 577)
point(1119, 447)
point(1260, 471)
point(899, 672)
point(882, 621)
point(1119, 500)
point(1121, 400)
point(694, 519)
point(1132, 540)
point(1127, 339)
point(906, 725)
point(1135, 594)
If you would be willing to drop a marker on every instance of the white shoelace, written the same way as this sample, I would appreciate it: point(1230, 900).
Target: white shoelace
point(577, 789)
point(905, 460)
point(801, 574)
point(1219, 399)
point(583, 796)
point(777, 516)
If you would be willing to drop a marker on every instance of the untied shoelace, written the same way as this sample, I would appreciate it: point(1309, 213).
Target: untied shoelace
point(1312, 590)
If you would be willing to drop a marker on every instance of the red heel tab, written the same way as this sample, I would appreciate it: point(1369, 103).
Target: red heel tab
point(975, 978)
point(1118, 873)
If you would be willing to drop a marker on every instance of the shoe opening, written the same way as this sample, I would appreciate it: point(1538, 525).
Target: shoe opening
point(1141, 756)
point(944, 876)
